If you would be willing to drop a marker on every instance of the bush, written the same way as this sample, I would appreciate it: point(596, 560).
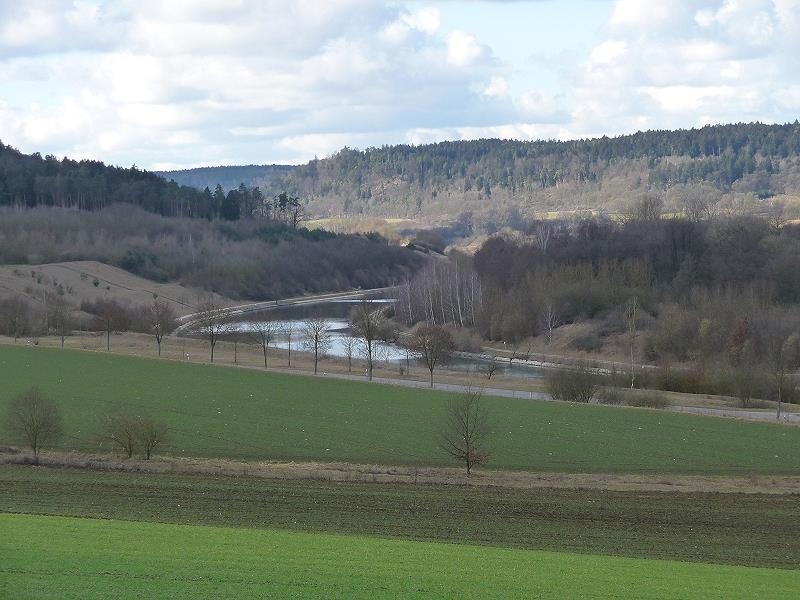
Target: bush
point(680, 380)
point(591, 342)
point(610, 395)
point(579, 385)
point(645, 400)
point(465, 339)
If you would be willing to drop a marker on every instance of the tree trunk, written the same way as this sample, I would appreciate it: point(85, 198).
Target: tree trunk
point(265, 357)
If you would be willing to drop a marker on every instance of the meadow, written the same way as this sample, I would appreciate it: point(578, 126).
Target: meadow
point(249, 414)
point(759, 530)
point(59, 557)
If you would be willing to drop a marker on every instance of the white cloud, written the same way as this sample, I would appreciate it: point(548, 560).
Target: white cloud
point(462, 49)
point(209, 81)
point(426, 20)
point(498, 86)
point(689, 62)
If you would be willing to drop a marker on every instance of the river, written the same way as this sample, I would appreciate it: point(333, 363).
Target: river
point(336, 313)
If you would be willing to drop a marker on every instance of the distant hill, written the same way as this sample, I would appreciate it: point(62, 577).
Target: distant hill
point(714, 165)
point(30, 180)
point(229, 178)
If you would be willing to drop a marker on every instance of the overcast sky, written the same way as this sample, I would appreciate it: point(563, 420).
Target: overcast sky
point(181, 83)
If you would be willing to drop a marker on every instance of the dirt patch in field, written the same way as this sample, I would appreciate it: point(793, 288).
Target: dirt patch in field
point(347, 472)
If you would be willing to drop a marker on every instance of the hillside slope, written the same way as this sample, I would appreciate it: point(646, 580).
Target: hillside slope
point(88, 280)
point(727, 168)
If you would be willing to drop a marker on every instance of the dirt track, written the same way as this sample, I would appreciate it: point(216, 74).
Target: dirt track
point(345, 472)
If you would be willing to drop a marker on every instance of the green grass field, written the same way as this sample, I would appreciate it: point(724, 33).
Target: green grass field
point(59, 557)
point(739, 529)
point(239, 413)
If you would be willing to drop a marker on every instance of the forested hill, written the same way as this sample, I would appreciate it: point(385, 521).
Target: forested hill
point(721, 167)
point(229, 178)
point(28, 181)
point(452, 177)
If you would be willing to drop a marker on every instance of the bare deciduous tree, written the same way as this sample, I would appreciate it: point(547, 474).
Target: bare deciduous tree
point(60, 317)
point(35, 420)
point(781, 354)
point(490, 369)
point(121, 429)
point(213, 322)
point(368, 322)
point(161, 317)
point(264, 332)
point(776, 215)
point(550, 319)
point(631, 308)
point(130, 433)
point(349, 345)
point(544, 231)
point(317, 337)
point(14, 317)
point(150, 434)
point(433, 344)
point(466, 430)
point(110, 317)
point(288, 332)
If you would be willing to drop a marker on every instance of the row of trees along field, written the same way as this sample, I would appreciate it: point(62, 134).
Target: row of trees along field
point(756, 158)
point(37, 422)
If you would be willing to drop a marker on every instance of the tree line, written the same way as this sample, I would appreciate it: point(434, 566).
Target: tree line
point(405, 179)
point(29, 181)
point(245, 259)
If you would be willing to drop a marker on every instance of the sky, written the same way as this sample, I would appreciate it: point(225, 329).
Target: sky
point(185, 83)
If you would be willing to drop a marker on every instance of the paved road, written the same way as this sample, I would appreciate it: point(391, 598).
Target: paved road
point(748, 415)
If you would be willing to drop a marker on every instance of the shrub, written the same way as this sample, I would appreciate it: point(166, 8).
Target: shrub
point(465, 340)
point(680, 380)
point(580, 385)
point(591, 342)
point(645, 400)
point(610, 395)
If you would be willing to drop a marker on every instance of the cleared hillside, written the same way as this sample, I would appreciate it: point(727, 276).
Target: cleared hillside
point(88, 280)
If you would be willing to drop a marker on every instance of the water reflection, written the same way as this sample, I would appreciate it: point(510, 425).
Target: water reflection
point(339, 334)
point(336, 314)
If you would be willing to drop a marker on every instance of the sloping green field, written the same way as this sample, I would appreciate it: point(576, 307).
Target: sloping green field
point(239, 413)
point(757, 530)
point(58, 557)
